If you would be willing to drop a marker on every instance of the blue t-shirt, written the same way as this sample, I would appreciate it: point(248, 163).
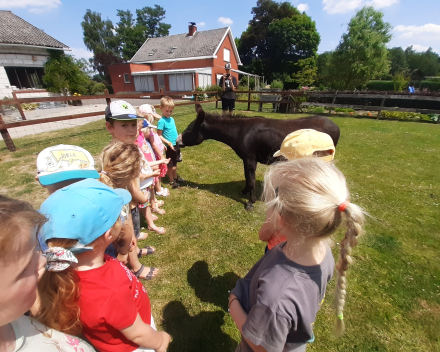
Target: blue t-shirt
point(168, 127)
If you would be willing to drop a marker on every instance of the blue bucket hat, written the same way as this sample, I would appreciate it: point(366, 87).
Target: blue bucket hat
point(83, 211)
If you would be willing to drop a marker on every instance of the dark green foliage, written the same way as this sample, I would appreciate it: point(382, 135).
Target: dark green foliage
point(406, 116)
point(385, 86)
point(277, 37)
point(397, 59)
point(277, 84)
point(64, 74)
point(431, 86)
point(428, 62)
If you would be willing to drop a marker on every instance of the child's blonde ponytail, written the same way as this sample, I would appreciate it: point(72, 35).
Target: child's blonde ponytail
point(355, 219)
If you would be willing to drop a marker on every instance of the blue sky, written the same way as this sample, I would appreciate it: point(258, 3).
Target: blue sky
point(415, 22)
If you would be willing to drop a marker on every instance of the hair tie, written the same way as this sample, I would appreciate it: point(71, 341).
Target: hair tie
point(58, 258)
point(343, 205)
point(103, 172)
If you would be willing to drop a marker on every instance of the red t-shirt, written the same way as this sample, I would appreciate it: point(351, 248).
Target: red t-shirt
point(111, 297)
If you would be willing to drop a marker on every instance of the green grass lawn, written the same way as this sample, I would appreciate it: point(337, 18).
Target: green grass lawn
point(393, 171)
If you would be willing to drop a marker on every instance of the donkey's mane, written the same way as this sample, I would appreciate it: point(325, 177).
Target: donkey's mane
point(214, 116)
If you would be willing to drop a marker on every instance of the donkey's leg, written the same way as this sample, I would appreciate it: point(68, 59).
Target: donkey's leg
point(249, 173)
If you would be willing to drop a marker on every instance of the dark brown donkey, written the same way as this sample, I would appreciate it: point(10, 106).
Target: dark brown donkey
point(253, 139)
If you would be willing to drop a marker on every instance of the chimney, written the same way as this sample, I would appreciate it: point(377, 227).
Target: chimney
point(192, 29)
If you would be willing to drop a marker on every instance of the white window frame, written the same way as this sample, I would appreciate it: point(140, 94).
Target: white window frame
point(226, 55)
point(127, 78)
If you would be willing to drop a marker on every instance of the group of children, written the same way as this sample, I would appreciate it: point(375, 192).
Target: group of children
point(89, 226)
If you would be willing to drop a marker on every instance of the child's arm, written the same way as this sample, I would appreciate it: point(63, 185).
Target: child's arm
point(154, 146)
point(239, 316)
point(158, 162)
point(136, 194)
point(165, 141)
point(145, 336)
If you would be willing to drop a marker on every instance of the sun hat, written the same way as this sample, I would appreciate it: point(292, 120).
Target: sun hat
point(303, 143)
point(121, 110)
point(64, 162)
point(147, 109)
point(83, 211)
point(228, 66)
point(146, 124)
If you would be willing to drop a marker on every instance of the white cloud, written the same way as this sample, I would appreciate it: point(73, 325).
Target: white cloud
point(428, 31)
point(201, 24)
point(34, 6)
point(225, 20)
point(420, 37)
point(302, 7)
point(80, 53)
point(344, 6)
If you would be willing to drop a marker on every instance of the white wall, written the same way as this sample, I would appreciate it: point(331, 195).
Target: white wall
point(18, 56)
point(5, 87)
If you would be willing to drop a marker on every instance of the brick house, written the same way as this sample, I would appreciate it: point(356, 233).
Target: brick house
point(178, 62)
point(23, 52)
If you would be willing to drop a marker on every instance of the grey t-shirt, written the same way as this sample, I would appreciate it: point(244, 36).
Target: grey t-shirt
point(282, 299)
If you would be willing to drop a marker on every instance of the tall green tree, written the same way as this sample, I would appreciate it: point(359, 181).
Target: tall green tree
point(133, 33)
point(428, 62)
point(278, 36)
point(397, 60)
point(361, 54)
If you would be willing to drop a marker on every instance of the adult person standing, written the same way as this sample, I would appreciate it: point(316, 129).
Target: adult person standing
point(229, 84)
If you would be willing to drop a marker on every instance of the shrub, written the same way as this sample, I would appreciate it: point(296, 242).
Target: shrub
point(380, 85)
point(30, 106)
point(211, 88)
point(200, 97)
point(319, 110)
point(433, 86)
point(405, 116)
point(277, 84)
point(344, 110)
point(244, 82)
point(96, 88)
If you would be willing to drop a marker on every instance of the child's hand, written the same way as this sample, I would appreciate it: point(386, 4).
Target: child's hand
point(123, 258)
point(156, 173)
point(165, 161)
point(172, 147)
point(166, 338)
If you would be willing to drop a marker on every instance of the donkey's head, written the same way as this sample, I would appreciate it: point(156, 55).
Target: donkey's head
point(193, 134)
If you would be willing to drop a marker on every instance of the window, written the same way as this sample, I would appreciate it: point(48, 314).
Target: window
point(226, 55)
point(126, 78)
point(143, 83)
point(181, 82)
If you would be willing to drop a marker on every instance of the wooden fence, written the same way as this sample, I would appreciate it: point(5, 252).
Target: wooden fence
point(289, 99)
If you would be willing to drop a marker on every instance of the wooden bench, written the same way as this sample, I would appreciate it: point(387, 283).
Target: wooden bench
point(271, 98)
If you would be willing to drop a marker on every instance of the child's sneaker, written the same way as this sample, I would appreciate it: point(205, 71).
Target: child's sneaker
point(180, 179)
point(163, 192)
point(174, 185)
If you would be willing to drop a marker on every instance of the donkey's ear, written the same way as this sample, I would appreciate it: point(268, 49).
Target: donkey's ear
point(200, 112)
point(198, 108)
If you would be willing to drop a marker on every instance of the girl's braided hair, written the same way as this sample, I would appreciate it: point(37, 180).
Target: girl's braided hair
point(307, 193)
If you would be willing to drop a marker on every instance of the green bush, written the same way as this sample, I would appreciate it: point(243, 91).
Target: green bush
point(212, 88)
point(405, 116)
point(95, 88)
point(244, 82)
point(432, 86)
point(386, 86)
point(277, 84)
point(319, 110)
point(344, 110)
point(200, 97)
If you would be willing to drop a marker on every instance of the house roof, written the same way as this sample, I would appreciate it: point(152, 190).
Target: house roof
point(203, 44)
point(15, 30)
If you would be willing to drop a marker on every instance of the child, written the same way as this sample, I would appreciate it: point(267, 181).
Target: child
point(84, 289)
point(166, 129)
point(297, 145)
point(120, 165)
point(149, 112)
point(20, 263)
point(121, 123)
point(275, 305)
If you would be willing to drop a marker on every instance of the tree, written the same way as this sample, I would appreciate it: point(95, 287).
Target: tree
point(361, 54)
point(277, 37)
point(98, 34)
point(133, 33)
point(324, 63)
point(397, 60)
point(428, 62)
point(151, 18)
point(63, 74)
point(307, 72)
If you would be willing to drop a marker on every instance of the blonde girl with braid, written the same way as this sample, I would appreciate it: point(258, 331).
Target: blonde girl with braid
point(275, 305)
point(121, 164)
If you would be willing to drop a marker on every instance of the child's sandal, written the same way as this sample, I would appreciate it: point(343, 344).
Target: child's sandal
point(158, 211)
point(150, 250)
point(142, 236)
point(159, 230)
point(149, 276)
point(159, 203)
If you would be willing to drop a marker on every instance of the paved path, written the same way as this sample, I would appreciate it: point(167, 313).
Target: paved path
point(93, 105)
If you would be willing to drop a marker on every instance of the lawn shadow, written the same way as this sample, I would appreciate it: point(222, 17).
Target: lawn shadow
point(211, 289)
point(201, 332)
point(231, 189)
